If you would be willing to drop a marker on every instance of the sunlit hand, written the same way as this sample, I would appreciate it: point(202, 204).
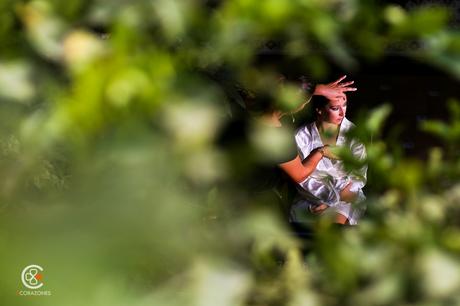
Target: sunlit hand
point(317, 209)
point(334, 90)
point(329, 152)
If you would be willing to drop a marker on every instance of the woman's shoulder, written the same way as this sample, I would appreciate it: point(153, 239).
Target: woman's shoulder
point(305, 129)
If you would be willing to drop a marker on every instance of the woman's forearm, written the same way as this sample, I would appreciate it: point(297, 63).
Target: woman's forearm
point(297, 170)
point(312, 160)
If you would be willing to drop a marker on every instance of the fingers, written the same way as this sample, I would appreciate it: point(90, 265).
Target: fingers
point(317, 209)
point(339, 80)
point(346, 84)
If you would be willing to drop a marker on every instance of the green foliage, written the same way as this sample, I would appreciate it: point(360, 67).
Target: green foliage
point(449, 132)
point(112, 179)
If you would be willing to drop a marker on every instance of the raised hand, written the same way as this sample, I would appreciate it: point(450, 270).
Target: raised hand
point(334, 90)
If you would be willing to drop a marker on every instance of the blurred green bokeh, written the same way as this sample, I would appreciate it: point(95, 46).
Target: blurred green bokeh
point(113, 182)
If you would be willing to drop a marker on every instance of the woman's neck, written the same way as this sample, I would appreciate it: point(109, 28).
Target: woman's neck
point(327, 127)
point(328, 132)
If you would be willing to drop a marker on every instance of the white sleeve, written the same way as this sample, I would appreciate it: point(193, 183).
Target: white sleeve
point(304, 141)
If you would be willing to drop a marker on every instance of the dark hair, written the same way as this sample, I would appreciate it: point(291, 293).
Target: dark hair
point(256, 103)
point(318, 102)
point(264, 100)
point(260, 97)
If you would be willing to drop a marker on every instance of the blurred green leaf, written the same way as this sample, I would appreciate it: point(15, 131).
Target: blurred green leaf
point(377, 118)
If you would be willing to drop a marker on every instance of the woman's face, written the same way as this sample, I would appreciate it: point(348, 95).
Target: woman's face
point(334, 111)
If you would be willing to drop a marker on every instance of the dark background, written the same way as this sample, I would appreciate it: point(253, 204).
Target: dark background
point(416, 92)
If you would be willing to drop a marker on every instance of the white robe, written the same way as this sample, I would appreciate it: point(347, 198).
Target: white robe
point(330, 177)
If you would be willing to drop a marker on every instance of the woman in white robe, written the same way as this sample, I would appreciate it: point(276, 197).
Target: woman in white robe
point(331, 187)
